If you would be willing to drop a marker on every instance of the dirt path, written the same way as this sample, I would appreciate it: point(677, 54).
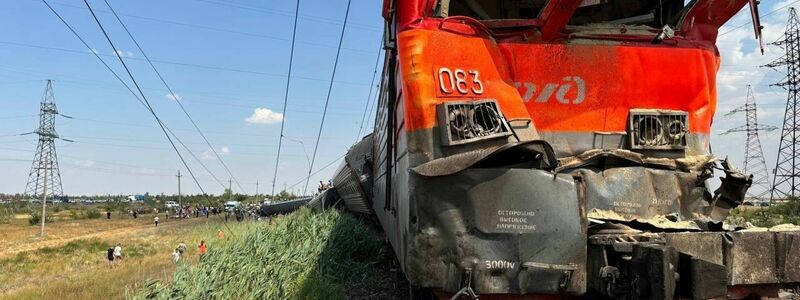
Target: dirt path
point(130, 230)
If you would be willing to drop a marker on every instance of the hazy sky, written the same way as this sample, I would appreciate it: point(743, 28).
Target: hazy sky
point(227, 61)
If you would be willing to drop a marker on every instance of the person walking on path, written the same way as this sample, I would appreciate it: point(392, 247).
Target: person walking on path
point(203, 249)
point(155, 220)
point(108, 215)
point(118, 252)
point(176, 256)
point(110, 257)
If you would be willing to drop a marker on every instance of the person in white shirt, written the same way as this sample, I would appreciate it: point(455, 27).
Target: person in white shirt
point(155, 220)
point(118, 252)
point(176, 256)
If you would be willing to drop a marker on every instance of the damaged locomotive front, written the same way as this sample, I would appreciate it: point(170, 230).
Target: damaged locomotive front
point(558, 147)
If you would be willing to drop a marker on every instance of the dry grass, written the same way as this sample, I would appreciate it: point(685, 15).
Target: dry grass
point(69, 263)
point(303, 255)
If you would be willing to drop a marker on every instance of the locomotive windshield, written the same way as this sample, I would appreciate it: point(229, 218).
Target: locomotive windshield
point(655, 14)
point(629, 12)
point(492, 9)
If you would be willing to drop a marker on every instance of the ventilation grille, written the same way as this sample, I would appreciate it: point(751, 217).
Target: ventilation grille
point(465, 122)
point(658, 130)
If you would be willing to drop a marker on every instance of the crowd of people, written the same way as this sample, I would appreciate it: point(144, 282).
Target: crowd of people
point(114, 253)
point(193, 211)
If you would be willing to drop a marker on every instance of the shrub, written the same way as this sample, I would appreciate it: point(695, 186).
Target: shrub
point(90, 213)
point(93, 214)
point(779, 213)
point(36, 218)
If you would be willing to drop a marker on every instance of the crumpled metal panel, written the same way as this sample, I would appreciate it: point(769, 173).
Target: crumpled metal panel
point(509, 230)
point(749, 257)
point(661, 198)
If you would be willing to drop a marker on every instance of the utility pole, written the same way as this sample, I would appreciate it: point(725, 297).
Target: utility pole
point(256, 187)
point(753, 155)
point(180, 202)
point(230, 197)
point(786, 176)
point(44, 198)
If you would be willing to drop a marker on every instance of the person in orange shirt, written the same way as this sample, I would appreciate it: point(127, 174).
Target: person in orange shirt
point(203, 249)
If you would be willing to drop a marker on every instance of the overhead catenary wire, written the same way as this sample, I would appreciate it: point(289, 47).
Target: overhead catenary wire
point(286, 95)
point(144, 97)
point(183, 64)
point(260, 9)
point(105, 64)
point(369, 95)
point(211, 28)
point(328, 98)
point(763, 15)
point(176, 98)
point(318, 171)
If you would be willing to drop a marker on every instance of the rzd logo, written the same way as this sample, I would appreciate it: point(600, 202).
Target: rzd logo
point(560, 89)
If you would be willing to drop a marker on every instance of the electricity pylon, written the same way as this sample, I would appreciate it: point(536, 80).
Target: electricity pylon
point(786, 176)
point(753, 154)
point(44, 179)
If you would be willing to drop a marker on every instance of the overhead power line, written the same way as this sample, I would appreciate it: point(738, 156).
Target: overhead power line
point(105, 64)
point(286, 95)
point(328, 98)
point(175, 98)
point(763, 15)
point(317, 171)
point(369, 95)
point(261, 9)
point(209, 28)
point(144, 97)
point(130, 75)
point(184, 64)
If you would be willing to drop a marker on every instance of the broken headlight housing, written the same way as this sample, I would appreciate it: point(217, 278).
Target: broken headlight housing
point(658, 129)
point(465, 122)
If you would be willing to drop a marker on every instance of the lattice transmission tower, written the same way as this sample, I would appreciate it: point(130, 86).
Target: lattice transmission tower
point(44, 175)
point(786, 176)
point(754, 162)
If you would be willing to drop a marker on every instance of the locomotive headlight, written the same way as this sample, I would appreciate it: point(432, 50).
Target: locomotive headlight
point(676, 130)
point(649, 131)
point(486, 119)
point(465, 122)
point(657, 129)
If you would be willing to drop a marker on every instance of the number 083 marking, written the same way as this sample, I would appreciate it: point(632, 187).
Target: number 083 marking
point(458, 80)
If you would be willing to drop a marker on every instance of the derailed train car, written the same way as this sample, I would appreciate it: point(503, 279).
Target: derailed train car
point(529, 148)
point(284, 207)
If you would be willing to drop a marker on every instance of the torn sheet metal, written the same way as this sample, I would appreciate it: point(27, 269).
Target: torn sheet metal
point(530, 154)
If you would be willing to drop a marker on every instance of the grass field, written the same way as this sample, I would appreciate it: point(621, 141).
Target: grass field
point(70, 263)
point(303, 255)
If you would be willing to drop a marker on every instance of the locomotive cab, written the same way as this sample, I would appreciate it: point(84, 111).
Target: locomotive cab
point(558, 147)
